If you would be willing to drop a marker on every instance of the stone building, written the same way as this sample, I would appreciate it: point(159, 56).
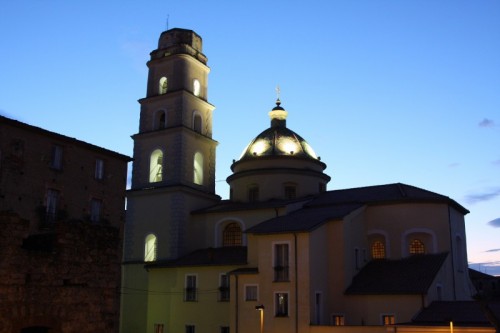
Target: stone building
point(307, 259)
point(61, 221)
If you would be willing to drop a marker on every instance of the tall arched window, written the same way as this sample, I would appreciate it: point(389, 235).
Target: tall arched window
point(160, 120)
point(232, 236)
point(378, 250)
point(150, 248)
point(162, 89)
point(197, 122)
point(417, 246)
point(196, 87)
point(198, 168)
point(156, 166)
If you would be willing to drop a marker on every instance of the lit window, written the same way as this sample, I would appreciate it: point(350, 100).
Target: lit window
point(99, 169)
point(290, 192)
point(190, 329)
point(156, 166)
point(253, 194)
point(388, 319)
point(378, 250)
point(150, 248)
point(231, 236)
point(417, 247)
point(57, 154)
point(224, 288)
point(158, 328)
point(162, 89)
point(95, 210)
point(281, 304)
point(338, 320)
point(198, 168)
point(281, 262)
point(251, 293)
point(190, 291)
point(52, 205)
point(196, 87)
point(197, 123)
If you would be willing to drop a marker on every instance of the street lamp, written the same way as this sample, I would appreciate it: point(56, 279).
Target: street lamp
point(260, 308)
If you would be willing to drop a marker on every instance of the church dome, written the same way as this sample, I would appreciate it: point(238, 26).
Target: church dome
point(278, 140)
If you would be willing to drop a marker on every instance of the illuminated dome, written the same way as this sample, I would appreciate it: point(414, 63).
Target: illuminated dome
point(278, 140)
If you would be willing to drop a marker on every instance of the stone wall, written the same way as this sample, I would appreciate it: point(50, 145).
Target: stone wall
point(63, 280)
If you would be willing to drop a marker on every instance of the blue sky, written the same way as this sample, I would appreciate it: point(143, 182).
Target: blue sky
point(384, 91)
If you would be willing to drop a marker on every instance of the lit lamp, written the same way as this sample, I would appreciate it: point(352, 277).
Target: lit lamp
point(260, 308)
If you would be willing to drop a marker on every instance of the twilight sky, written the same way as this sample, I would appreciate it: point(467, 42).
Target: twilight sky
point(384, 91)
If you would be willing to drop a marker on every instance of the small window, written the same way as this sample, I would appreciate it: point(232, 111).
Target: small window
point(95, 210)
point(281, 269)
point(150, 248)
point(253, 194)
point(378, 250)
point(290, 192)
point(198, 168)
point(99, 169)
point(388, 319)
point(57, 156)
point(251, 293)
point(162, 89)
point(338, 320)
point(52, 205)
point(231, 236)
point(190, 329)
point(160, 120)
point(190, 291)
point(159, 328)
point(156, 166)
point(196, 87)
point(417, 247)
point(197, 122)
point(281, 304)
point(224, 288)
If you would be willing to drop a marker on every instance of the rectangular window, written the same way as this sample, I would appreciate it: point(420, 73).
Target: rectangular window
point(224, 329)
point(290, 192)
point(338, 320)
point(224, 288)
point(190, 292)
point(99, 169)
point(281, 262)
point(388, 319)
point(57, 156)
point(251, 293)
point(95, 210)
point(281, 304)
point(51, 205)
point(253, 194)
point(190, 329)
point(158, 328)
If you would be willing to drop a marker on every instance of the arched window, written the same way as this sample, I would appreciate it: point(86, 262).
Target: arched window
point(162, 89)
point(197, 122)
point(150, 248)
point(160, 121)
point(196, 87)
point(232, 236)
point(417, 246)
point(198, 168)
point(156, 166)
point(378, 250)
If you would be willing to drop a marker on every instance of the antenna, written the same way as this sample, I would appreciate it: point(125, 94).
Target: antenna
point(166, 23)
point(278, 91)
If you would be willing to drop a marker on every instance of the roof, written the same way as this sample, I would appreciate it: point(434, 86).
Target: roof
point(378, 194)
point(221, 256)
point(303, 220)
point(462, 313)
point(41, 131)
point(228, 205)
point(410, 275)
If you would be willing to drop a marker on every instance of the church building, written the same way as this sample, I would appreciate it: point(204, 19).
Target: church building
point(283, 253)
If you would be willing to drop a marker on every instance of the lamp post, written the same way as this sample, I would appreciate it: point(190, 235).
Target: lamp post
point(260, 308)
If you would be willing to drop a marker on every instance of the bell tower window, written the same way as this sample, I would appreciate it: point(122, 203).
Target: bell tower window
point(198, 169)
point(150, 248)
point(162, 86)
point(160, 120)
point(197, 122)
point(196, 87)
point(156, 166)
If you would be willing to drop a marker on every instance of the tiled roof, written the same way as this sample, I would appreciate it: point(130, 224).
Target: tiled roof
point(462, 313)
point(411, 275)
point(221, 256)
point(303, 220)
